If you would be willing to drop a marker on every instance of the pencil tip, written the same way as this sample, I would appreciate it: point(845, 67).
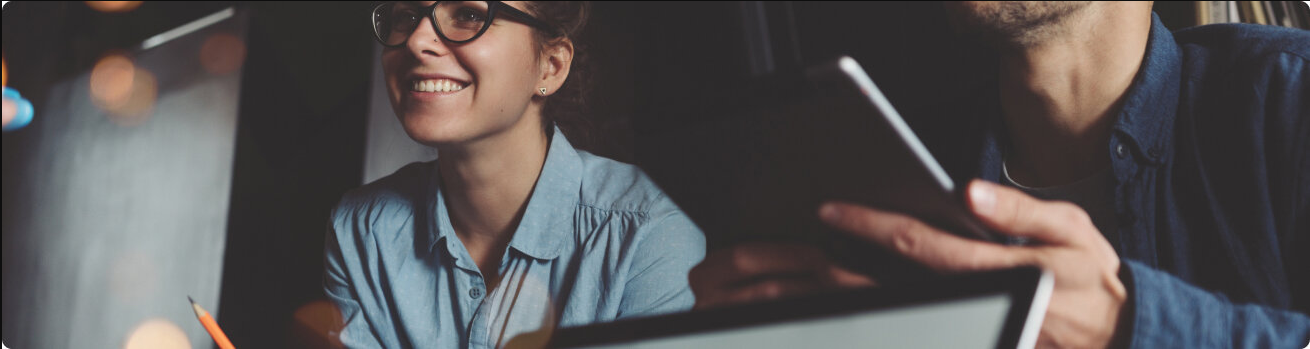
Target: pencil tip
point(196, 307)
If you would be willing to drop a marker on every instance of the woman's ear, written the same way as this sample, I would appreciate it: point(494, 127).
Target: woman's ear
point(556, 63)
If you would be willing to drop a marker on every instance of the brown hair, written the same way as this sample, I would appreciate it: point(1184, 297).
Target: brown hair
point(567, 107)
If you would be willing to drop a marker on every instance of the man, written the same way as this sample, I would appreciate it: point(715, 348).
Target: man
point(1187, 156)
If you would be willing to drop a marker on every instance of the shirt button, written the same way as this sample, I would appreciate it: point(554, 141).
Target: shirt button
point(1119, 150)
point(475, 292)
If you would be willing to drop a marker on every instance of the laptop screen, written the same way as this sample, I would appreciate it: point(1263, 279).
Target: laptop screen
point(964, 323)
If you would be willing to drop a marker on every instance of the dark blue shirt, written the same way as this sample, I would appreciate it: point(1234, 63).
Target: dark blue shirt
point(1210, 156)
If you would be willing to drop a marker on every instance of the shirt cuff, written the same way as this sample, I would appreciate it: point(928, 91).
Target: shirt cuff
point(1169, 313)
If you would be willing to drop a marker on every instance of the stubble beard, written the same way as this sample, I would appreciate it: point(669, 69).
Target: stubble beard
point(1013, 24)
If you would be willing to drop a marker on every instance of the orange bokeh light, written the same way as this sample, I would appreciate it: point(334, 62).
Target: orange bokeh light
point(222, 54)
point(111, 81)
point(4, 72)
point(113, 6)
point(318, 323)
point(122, 89)
point(141, 103)
point(157, 334)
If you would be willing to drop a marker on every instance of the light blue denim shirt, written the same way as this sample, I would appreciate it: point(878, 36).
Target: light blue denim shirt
point(598, 242)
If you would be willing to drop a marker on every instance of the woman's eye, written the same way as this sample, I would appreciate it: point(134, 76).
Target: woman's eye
point(410, 18)
point(404, 21)
point(468, 15)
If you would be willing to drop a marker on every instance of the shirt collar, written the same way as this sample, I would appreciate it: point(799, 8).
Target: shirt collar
point(1145, 120)
point(547, 223)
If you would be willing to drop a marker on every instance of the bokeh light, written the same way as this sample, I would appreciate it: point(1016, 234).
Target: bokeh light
point(533, 293)
point(127, 92)
point(113, 6)
point(111, 81)
point(157, 334)
point(141, 103)
point(222, 54)
point(10, 111)
point(4, 72)
point(318, 323)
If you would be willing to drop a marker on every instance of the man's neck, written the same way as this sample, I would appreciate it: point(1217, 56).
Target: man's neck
point(1059, 96)
point(487, 184)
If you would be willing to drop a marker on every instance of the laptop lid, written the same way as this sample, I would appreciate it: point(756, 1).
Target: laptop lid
point(1002, 309)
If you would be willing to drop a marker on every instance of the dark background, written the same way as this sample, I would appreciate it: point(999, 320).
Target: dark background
point(665, 71)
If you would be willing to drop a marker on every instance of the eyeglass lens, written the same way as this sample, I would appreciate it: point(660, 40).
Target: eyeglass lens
point(458, 21)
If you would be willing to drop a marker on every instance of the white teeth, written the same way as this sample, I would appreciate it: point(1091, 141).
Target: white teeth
point(441, 85)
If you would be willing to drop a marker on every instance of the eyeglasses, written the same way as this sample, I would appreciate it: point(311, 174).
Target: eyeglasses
point(455, 21)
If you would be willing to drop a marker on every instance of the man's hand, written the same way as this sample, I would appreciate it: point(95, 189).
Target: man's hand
point(759, 271)
point(1085, 306)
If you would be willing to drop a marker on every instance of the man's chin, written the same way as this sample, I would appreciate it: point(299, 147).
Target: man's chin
point(1010, 23)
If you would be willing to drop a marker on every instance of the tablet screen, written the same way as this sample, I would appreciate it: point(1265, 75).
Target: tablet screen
point(964, 323)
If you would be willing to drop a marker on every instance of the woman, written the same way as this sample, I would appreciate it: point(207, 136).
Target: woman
point(511, 230)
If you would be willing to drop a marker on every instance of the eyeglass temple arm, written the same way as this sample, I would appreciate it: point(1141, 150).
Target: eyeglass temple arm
point(523, 16)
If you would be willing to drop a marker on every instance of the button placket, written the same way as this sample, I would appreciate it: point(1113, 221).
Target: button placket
point(478, 328)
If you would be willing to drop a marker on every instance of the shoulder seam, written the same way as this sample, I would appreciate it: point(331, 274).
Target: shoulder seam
point(1294, 53)
point(643, 213)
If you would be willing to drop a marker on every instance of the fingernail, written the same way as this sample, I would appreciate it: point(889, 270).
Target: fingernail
point(983, 198)
point(829, 212)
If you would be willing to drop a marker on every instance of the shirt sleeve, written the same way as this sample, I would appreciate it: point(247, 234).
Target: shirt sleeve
point(670, 246)
point(337, 284)
point(1167, 312)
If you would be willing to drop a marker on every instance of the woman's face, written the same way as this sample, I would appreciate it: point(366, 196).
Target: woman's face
point(482, 87)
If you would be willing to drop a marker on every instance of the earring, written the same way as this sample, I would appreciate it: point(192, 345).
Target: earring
point(543, 91)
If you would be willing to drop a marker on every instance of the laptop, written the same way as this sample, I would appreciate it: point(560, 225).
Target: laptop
point(1000, 309)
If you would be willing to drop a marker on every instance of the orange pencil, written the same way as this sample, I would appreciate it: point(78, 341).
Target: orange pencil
point(211, 326)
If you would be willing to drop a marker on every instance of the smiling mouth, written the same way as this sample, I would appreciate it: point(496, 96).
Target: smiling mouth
point(437, 85)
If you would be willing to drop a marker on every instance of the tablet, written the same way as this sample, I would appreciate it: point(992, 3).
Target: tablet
point(885, 165)
point(761, 171)
point(1001, 309)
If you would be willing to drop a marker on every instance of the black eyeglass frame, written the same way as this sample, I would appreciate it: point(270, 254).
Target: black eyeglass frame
point(493, 7)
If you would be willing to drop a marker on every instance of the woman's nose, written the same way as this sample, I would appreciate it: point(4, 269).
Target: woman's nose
point(425, 41)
